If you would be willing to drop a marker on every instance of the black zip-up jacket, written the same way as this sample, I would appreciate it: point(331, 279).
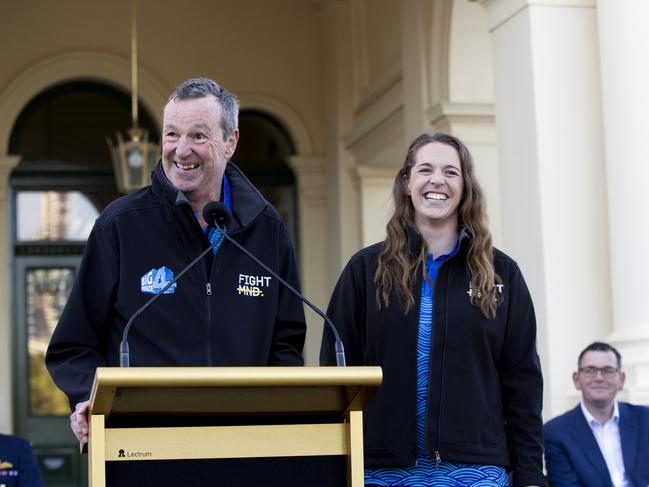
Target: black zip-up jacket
point(485, 390)
point(225, 311)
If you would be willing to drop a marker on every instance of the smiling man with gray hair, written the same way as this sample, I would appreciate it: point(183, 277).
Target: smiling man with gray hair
point(142, 240)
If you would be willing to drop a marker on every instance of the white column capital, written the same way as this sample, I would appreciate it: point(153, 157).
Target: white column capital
point(364, 175)
point(375, 188)
point(311, 176)
point(447, 113)
point(500, 11)
point(7, 164)
point(370, 173)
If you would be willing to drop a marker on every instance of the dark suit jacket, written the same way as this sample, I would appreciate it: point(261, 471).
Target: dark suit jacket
point(574, 459)
point(18, 465)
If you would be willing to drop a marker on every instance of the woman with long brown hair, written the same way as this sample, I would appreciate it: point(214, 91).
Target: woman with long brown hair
point(451, 322)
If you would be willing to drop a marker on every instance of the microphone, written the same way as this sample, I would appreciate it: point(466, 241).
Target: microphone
point(219, 214)
point(124, 354)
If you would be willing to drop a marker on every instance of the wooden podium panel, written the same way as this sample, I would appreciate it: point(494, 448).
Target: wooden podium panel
point(188, 413)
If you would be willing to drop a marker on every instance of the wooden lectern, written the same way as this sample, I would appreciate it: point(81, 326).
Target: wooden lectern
point(183, 413)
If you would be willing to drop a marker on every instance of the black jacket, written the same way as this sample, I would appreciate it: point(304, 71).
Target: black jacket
point(224, 311)
point(485, 388)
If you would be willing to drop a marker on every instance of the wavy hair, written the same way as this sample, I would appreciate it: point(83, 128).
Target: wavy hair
point(398, 271)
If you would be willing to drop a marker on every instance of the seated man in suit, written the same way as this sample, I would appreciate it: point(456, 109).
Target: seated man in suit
point(601, 442)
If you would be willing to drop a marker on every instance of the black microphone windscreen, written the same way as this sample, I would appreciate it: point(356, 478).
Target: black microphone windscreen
point(215, 211)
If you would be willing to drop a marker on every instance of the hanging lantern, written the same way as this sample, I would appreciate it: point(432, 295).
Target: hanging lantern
point(135, 157)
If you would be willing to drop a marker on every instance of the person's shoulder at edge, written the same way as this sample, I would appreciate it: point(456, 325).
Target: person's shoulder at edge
point(13, 440)
point(558, 421)
point(369, 252)
point(639, 409)
point(501, 257)
point(135, 201)
point(14, 446)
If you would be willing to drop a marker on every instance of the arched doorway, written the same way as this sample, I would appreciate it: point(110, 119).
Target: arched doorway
point(262, 153)
point(64, 179)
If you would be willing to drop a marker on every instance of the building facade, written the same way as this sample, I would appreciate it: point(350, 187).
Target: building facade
point(550, 96)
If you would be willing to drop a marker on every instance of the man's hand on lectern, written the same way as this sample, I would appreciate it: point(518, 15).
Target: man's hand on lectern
point(79, 421)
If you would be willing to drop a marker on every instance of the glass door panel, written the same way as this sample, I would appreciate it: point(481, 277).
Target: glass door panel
point(42, 286)
point(46, 292)
point(53, 216)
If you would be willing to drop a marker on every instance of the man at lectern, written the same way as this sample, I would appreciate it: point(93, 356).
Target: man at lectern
point(226, 311)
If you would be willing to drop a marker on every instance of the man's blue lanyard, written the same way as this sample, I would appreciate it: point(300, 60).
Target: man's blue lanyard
point(212, 233)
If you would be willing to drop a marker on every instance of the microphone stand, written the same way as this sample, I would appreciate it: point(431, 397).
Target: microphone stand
point(339, 348)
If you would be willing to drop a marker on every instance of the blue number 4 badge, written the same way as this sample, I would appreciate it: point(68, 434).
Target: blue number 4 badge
point(156, 279)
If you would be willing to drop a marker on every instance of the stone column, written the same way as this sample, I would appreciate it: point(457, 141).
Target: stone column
point(314, 244)
point(625, 99)
point(7, 164)
point(552, 174)
point(342, 218)
point(375, 189)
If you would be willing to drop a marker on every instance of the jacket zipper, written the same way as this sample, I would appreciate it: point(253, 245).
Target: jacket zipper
point(210, 326)
point(436, 453)
point(438, 457)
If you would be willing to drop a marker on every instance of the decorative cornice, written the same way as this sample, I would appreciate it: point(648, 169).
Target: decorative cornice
point(379, 144)
point(454, 112)
point(7, 164)
point(377, 87)
point(373, 174)
point(368, 84)
point(629, 335)
point(501, 11)
point(374, 116)
point(363, 175)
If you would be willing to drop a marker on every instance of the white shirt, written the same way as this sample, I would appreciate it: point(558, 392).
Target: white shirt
point(607, 435)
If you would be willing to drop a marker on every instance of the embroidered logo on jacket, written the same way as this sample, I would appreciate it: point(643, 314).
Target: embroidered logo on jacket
point(476, 292)
point(156, 279)
point(253, 285)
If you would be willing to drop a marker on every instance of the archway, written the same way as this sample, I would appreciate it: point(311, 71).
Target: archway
point(63, 180)
point(263, 152)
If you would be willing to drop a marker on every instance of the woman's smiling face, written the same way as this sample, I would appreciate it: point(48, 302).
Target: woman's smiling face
point(436, 185)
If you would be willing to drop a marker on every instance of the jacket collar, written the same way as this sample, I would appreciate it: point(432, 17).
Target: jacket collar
point(247, 201)
point(415, 240)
